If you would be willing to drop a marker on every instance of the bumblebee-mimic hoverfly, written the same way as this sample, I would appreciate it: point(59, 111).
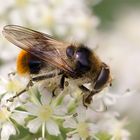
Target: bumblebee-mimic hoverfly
point(73, 61)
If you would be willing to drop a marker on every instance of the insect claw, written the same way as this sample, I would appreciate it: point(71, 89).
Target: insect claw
point(75, 115)
point(53, 92)
point(10, 99)
point(85, 101)
point(11, 73)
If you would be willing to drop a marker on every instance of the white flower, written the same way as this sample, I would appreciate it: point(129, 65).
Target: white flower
point(10, 87)
point(2, 85)
point(81, 128)
point(7, 109)
point(118, 132)
point(13, 84)
point(5, 123)
point(107, 122)
point(7, 127)
point(45, 112)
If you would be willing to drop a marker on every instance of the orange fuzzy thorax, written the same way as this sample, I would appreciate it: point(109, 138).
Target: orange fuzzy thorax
point(22, 63)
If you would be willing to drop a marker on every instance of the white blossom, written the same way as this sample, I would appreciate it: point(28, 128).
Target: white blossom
point(45, 113)
point(81, 128)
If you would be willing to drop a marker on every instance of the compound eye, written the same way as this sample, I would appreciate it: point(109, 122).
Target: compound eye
point(83, 63)
point(102, 78)
point(70, 51)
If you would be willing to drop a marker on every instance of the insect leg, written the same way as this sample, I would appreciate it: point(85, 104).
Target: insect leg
point(22, 91)
point(35, 79)
point(46, 76)
point(61, 84)
point(11, 74)
point(87, 98)
point(83, 88)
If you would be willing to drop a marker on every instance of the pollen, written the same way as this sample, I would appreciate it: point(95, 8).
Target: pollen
point(45, 112)
point(22, 63)
point(82, 129)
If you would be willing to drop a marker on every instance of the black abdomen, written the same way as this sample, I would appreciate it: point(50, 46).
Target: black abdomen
point(35, 65)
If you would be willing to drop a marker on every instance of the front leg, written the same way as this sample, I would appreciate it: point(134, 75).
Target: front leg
point(61, 84)
point(87, 97)
point(86, 92)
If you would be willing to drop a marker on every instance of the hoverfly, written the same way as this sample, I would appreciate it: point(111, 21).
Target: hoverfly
point(73, 61)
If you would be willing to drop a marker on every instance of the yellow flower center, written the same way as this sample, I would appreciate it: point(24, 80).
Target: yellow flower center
point(4, 114)
point(82, 129)
point(13, 86)
point(45, 113)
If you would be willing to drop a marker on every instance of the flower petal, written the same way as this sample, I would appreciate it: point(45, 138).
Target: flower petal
point(7, 130)
point(81, 111)
point(52, 128)
point(2, 85)
point(46, 98)
point(69, 123)
point(19, 117)
point(60, 110)
point(93, 128)
point(34, 125)
point(32, 108)
point(74, 137)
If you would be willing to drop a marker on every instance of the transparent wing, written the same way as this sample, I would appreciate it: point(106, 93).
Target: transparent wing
point(39, 44)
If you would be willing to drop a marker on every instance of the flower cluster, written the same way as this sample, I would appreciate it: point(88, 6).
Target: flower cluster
point(49, 16)
point(63, 116)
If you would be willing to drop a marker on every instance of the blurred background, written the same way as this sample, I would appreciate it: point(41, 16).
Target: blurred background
point(111, 27)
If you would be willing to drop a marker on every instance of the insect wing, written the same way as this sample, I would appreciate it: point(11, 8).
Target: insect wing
point(39, 44)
